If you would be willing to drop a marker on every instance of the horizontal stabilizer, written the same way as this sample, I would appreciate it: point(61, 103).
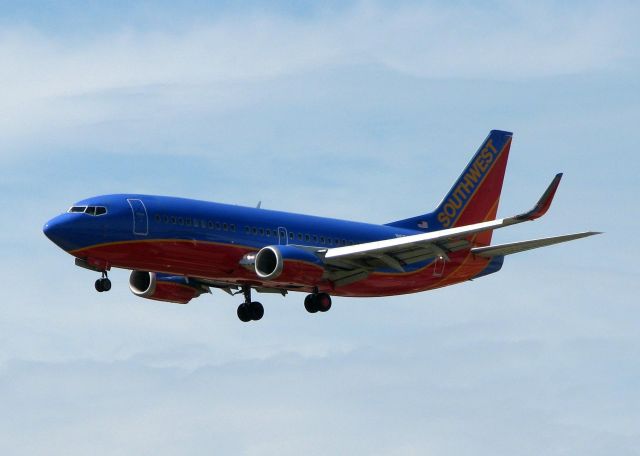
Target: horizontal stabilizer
point(515, 247)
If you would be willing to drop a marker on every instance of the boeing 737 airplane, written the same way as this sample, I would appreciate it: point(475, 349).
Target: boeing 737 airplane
point(179, 248)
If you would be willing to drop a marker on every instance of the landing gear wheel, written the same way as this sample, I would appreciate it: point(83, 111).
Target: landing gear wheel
point(323, 302)
point(106, 284)
point(249, 310)
point(256, 311)
point(310, 303)
point(103, 284)
point(244, 313)
point(317, 302)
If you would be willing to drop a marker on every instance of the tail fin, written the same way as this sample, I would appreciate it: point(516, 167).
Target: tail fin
point(475, 195)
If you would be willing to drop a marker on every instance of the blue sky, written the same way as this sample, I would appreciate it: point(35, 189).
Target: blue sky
point(365, 110)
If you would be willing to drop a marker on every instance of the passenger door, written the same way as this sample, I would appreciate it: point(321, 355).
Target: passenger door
point(282, 235)
point(140, 217)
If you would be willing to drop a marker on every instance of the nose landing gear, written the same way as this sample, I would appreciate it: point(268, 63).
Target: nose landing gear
point(103, 284)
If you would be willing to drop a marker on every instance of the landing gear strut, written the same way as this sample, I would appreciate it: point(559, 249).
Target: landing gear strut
point(317, 302)
point(103, 284)
point(249, 310)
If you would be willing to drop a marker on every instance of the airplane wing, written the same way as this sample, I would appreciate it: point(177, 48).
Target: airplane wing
point(352, 263)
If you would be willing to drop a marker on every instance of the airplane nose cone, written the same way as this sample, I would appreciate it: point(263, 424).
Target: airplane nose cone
point(58, 230)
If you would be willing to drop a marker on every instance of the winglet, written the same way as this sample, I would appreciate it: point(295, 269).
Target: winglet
point(544, 202)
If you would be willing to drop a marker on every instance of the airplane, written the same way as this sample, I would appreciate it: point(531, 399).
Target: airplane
point(178, 249)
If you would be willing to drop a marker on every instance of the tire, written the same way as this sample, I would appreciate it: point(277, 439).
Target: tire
point(310, 303)
point(106, 284)
point(323, 302)
point(244, 313)
point(98, 286)
point(257, 311)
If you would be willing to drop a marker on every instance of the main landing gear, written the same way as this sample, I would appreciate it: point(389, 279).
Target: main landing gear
point(103, 284)
point(317, 302)
point(253, 310)
point(249, 310)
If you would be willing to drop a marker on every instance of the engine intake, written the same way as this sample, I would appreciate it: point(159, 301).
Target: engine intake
point(287, 264)
point(269, 263)
point(142, 283)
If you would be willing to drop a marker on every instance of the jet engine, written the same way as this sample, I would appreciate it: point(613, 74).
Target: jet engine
point(165, 287)
point(286, 263)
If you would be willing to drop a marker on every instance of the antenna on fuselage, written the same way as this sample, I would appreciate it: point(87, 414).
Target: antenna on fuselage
point(259, 204)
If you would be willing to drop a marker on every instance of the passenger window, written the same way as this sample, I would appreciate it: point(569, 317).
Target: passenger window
point(247, 230)
point(158, 218)
point(299, 236)
point(291, 235)
point(195, 223)
point(187, 221)
point(173, 219)
point(261, 231)
point(315, 238)
point(321, 239)
point(232, 227)
point(254, 230)
point(307, 237)
point(180, 221)
point(165, 218)
point(268, 232)
point(225, 227)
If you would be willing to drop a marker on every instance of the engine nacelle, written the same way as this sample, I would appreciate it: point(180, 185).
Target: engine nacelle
point(164, 287)
point(287, 264)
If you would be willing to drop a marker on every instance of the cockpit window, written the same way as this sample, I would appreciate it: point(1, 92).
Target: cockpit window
point(90, 210)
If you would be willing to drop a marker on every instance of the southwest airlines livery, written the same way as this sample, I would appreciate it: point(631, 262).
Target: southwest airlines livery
point(179, 248)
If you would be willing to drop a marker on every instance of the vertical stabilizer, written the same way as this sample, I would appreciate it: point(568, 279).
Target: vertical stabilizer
point(475, 195)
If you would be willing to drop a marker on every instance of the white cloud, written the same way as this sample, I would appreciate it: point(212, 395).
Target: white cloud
point(417, 394)
point(51, 83)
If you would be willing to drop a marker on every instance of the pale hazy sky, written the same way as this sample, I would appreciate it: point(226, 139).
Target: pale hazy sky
point(363, 110)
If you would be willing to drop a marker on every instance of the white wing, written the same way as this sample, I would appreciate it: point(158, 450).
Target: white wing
point(352, 263)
